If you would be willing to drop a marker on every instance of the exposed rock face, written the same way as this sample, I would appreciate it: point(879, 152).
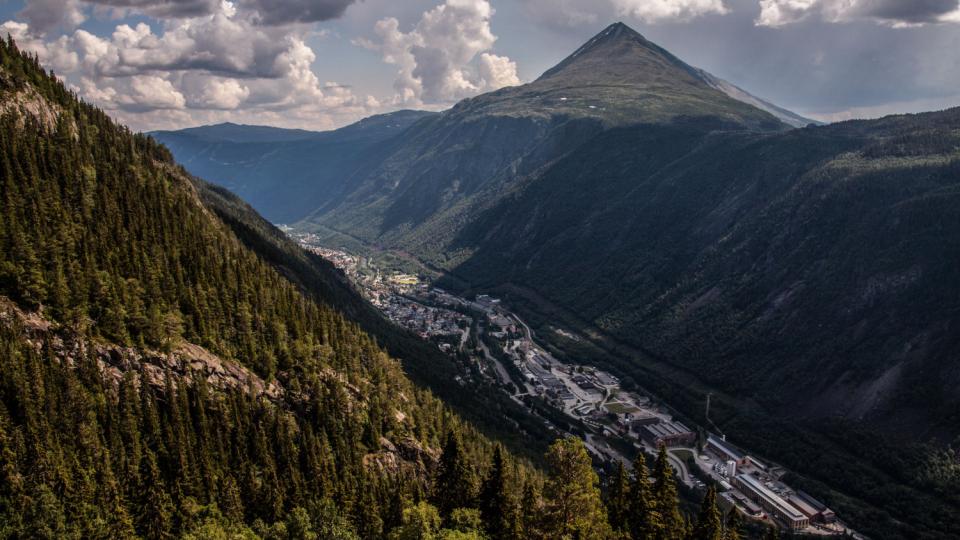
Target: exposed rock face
point(406, 457)
point(189, 362)
point(185, 363)
point(26, 103)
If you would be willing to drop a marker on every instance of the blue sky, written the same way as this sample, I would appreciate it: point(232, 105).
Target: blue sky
point(320, 64)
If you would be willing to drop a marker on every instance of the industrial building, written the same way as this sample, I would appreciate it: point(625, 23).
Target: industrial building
point(727, 451)
point(774, 504)
point(731, 499)
point(812, 508)
point(668, 434)
point(637, 420)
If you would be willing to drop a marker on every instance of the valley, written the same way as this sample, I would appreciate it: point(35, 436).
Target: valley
point(490, 343)
point(619, 298)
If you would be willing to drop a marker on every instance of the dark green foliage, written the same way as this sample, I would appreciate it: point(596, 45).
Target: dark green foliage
point(497, 501)
point(455, 483)
point(574, 508)
point(709, 524)
point(734, 525)
point(618, 497)
point(643, 517)
point(672, 525)
point(111, 246)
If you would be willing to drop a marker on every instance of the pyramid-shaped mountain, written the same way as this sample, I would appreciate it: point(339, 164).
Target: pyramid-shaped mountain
point(622, 78)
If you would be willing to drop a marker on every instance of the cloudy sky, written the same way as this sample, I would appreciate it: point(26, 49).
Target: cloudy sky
point(320, 64)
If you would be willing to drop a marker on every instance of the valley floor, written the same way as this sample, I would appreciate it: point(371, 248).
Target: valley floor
point(490, 343)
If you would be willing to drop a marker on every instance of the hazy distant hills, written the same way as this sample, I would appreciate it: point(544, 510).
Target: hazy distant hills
point(286, 173)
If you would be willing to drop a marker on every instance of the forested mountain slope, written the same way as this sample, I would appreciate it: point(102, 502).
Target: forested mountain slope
point(158, 377)
point(815, 269)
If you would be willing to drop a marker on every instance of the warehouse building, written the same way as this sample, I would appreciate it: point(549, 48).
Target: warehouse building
point(727, 451)
point(774, 504)
point(812, 508)
point(668, 434)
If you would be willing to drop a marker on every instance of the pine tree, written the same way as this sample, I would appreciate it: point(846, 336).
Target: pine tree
point(734, 525)
point(496, 504)
point(709, 525)
point(671, 524)
point(574, 507)
point(454, 485)
point(618, 498)
point(531, 511)
point(155, 512)
point(643, 518)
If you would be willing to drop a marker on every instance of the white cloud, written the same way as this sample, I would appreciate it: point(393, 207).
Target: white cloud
point(216, 64)
point(896, 13)
point(445, 57)
point(497, 71)
point(652, 11)
point(216, 93)
point(780, 12)
point(151, 92)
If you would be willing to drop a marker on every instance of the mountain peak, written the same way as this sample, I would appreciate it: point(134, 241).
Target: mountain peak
point(621, 77)
point(618, 51)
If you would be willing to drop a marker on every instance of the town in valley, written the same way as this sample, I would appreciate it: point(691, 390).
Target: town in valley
point(614, 423)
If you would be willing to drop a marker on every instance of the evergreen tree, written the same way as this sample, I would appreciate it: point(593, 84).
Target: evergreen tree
point(709, 525)
point(618, 498)
point(733, 526)
point(496, 504)
point(155, 512)
point(574, 506)
point(643, 518)
point(454, 484)
point(671, 525)
point(531, 512)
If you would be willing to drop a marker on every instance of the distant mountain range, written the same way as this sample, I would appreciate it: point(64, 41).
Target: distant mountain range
point(286, 173)
point(807, 278)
